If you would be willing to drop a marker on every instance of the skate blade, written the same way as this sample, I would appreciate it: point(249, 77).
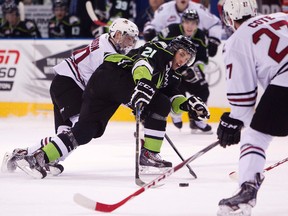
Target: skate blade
point(55, 170)
point(149, 170)
point(244, 210)
point(4, 166)
point(25, 167)
point(199, 132)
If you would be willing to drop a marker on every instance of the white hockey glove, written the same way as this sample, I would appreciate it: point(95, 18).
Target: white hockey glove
point(197, 109)
point(143, 93)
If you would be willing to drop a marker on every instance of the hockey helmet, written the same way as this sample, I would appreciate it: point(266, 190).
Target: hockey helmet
point(190, 15)
point(9, 7)
point(182, 42)
point(125, 26)
point(60, 3)
point(238, 9)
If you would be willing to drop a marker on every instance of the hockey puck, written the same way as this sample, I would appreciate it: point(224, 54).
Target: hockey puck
point(183, 184)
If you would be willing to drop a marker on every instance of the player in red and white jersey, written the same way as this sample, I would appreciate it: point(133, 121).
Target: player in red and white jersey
point(257, 52)
point(72, 76)
point(171, 12)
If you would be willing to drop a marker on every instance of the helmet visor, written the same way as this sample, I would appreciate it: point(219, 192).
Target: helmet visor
point(127, 43)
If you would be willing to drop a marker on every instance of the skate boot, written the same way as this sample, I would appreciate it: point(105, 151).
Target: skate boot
point(151, 162)
point(200, 127)
point(54, 168)
point(9, 160)
point(243, 201)
point(177, 120)
point(33, 165)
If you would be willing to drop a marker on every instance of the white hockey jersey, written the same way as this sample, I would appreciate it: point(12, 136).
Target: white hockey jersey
point(83, 62)
point(257, 52)
point(167, 14)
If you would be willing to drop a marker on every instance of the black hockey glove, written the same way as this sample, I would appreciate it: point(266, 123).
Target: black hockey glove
point(197, 109)
point(193, 74)
point(143, 93)
point(229, 130)
point(213, 44)
point(149, 34)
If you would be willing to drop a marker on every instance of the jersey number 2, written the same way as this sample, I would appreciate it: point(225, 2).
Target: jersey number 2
point(277, 56)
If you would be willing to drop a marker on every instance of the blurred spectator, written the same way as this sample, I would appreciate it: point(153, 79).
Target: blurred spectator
point(109, 10)
point(147, 15)
point(13, 26)
point(78, 9)
point(62, 25)
point(269, 6)
point(171, 12)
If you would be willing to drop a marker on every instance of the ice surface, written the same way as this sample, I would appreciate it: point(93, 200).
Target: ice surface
point(103, 170)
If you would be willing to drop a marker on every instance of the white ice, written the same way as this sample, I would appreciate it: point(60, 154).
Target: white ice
point(104, 171)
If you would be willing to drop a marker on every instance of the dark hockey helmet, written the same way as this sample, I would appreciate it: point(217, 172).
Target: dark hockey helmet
point(182, 42)
point(60, 3)
point(190, 15)
point(9, 7)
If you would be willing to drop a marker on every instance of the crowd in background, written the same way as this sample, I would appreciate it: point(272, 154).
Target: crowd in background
point(70, 19)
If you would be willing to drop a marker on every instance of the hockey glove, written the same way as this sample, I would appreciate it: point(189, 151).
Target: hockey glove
point(213, 44)
point(197, 109)
point(193, 74)
point(149, 34)
point(229, 130)
point(142, 93)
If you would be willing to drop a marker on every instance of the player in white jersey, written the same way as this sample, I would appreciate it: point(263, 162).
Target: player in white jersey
point(73, 74)
point(257, 52)
point(171, 12)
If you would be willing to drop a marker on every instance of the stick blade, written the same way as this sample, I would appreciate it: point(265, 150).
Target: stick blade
point(233, 176)
point(84, 201)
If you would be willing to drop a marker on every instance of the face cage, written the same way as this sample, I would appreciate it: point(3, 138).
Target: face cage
point(227, 20)
point(191, 60)
point(124, 46)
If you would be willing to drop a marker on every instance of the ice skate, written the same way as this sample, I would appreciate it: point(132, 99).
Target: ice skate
point(9, 160)
point(33, 165)
point(7, 164)
point(54, 168)
point(200, 127)
point(242, 203)
point(177, 121)
point(151, 163)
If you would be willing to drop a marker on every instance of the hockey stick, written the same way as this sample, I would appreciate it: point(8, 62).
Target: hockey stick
point(21, 10)
point(92, 15)
point(138, 181)
point(102, 207)
point(234, 175)
point(178, 153)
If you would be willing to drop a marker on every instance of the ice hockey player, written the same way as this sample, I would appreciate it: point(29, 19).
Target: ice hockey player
point(257, 52)
point(71, 78)
point(13, 27)
point(171, 12)
point(62, 25)
point(193, 82)
point(147, 76)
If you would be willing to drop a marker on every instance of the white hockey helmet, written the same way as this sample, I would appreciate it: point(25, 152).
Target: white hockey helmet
point(125, 26)
point(129, 34)
point(238, 9)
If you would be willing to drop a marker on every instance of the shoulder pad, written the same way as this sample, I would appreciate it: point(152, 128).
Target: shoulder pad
point(74, 20)
point(162, 43)
point(30, 25)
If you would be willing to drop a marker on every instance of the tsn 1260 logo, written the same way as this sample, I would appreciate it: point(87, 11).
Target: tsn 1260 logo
point(8, 61)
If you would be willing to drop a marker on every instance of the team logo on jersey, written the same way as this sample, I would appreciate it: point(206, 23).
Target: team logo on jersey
point(172, 18)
